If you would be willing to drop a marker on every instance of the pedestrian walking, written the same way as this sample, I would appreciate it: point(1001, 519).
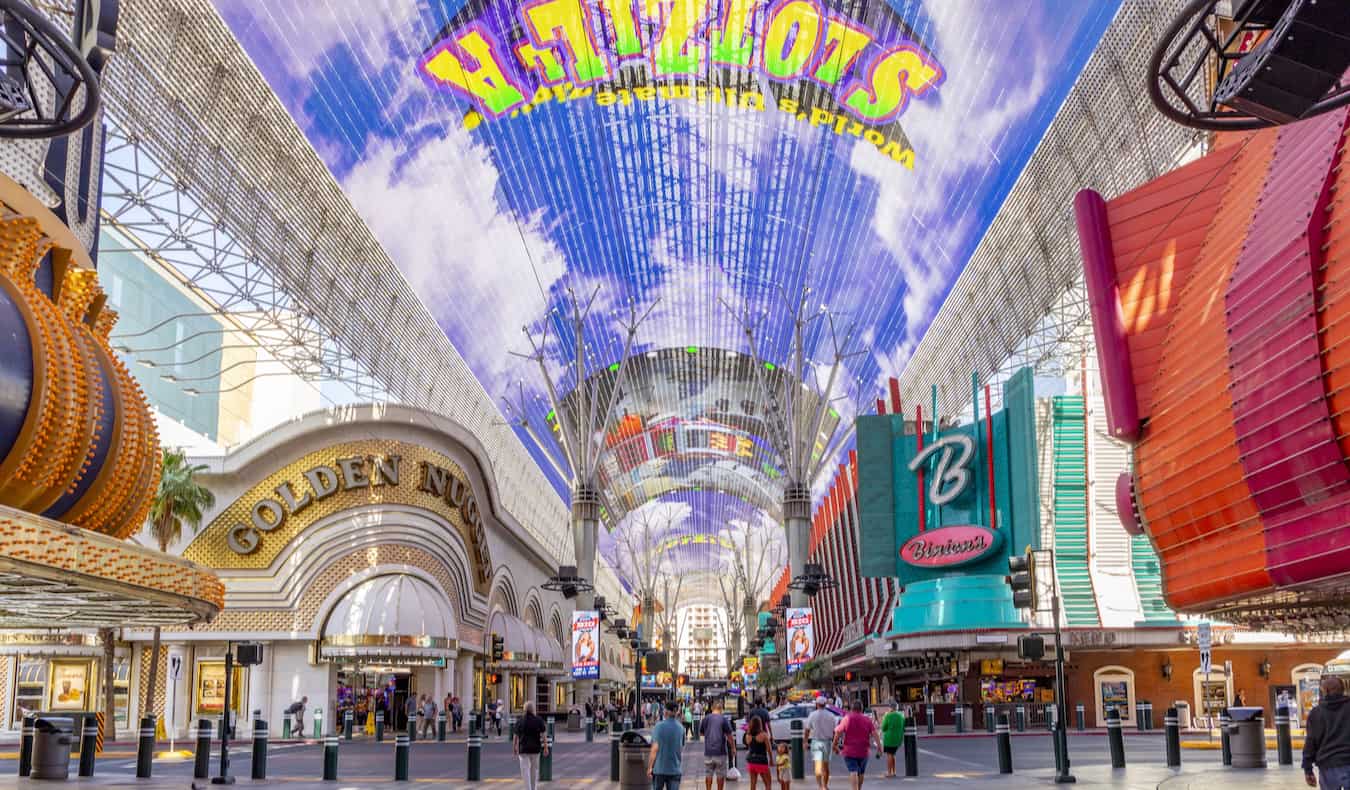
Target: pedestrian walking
point(1326, 744)
point(892, 735)
point(757, 749)
point(852, 738)
point(820, 734)
point(428, 717)
point(663, 761)
point(498, 712)
point(718, 746)
point(297, 710)
point(529, 742)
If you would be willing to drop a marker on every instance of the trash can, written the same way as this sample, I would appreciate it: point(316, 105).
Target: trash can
point(1183, 713)
point(574, 720)
point(53, 739)
point(633, 751)
point(1247, 737)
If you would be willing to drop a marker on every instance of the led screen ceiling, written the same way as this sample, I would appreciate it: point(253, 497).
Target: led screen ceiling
point(713, 157)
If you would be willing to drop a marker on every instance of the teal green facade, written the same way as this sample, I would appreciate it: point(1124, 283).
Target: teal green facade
point(972, 595)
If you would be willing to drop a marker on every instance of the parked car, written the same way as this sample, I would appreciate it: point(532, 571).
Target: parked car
point(781, 718)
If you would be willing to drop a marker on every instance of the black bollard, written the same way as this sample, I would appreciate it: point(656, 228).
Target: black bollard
point(1284, 741)
point(798, 755)
point(694, 733)
point(1021, 711)
point(330, 755)
point(26, 746)
point(348, 720)
point(89, 747)
point(959, 717)
point(546, 759)
point(1139, 716)
point(1080, 712)
point(1115, 739)
point(440, 726)
point(259, 766)
point(589, 724)
point(614, 756)
point(911, 748)
point(1050, 712)
point(412, 729)
point(1172, 734)
point(1224, 739)
point(202, 760)
point(379, 726)
point(401, 750)
point(473, 767)
point(1148, 716)
point(932, 719)
point(1004, 739)
point(145, 748)
point(989, 719)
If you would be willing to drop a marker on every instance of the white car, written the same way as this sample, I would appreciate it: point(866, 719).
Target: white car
point(781, 718)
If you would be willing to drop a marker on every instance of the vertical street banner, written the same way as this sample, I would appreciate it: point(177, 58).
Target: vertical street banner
point(750, 671)
point(586, 645)
point(801, 637)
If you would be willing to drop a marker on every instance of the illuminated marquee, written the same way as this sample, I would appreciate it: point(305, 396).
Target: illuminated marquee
point(575, 45)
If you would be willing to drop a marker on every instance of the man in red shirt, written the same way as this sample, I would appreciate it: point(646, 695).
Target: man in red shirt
point(852, 739)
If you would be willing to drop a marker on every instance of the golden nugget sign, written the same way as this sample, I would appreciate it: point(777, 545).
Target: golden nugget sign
point(291, 498)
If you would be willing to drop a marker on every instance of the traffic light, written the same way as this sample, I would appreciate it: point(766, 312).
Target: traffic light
point(498, 647)
point(1031, 647)
point(684, 680)
point(1022, 579)
point(850, 676)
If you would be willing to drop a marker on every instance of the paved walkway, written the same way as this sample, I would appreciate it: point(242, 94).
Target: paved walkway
point(1133, 778)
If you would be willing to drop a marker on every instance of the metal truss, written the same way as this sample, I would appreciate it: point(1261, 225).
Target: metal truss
point(1004, 310)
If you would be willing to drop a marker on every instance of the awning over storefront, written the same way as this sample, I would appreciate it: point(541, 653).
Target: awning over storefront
point(611, 672)
point(397, 618)
point(527, 647)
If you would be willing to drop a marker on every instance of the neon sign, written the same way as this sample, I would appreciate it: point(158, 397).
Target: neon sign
point(509, 58)
point(951, 478)
point(948, 547)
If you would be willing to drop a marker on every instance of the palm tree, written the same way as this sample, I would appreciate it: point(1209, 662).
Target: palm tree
point(179, 500)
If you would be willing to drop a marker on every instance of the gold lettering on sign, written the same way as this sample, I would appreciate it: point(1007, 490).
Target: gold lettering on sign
point(277, 502)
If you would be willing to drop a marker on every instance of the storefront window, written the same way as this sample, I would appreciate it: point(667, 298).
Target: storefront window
point(70, 685)
point(210, 689)
point(1114, 689)
point(1307, 689)
point(1213, 692)
point(518, 692)
point(30, 687)
point(121, 690)
point(560, 697)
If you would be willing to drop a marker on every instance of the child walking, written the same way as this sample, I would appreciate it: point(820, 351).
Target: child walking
point(783, 762)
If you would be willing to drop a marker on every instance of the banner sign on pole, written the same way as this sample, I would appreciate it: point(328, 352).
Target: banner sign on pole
point(1204, 637)
point(750, 671)
point(586, 645)
point(801, 637)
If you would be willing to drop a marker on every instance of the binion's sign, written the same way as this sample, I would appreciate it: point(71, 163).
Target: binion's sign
point(949, 547)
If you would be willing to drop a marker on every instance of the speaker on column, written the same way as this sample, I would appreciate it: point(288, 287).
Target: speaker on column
point(1304, 56)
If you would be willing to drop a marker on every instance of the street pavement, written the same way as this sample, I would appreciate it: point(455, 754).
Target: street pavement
point(966, 761)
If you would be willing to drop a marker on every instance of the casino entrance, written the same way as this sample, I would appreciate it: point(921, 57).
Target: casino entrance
point(389, 637)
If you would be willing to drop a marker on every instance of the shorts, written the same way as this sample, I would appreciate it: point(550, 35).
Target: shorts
point(889, 749)
point(758, 768)
point(820, 750)
point(715, 766)
point(856, 765)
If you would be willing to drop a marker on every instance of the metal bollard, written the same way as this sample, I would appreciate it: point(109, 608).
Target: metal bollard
point(911, 748)
point(259, 767)
point(26, 746)
point(379, 726)
point(1172, 734)
point(440, 726)
point(1225, 743)
point(1115, 739)
point(1148, 715)
point(318, 723)
point(613, 756)
point(412, 729)
point(693, 734)
point(959, 717)
point(1050, 714)
point(1080, 712)
point(931, 718)
point(989, 719)
point(348, 719)
point(1004, 745)
point(89, 748)
point(627, 725)
point(330, 755)
point(285, 727)
point(1284, 742)
point(401, 750)
point(588, 724)
point(546, 759)
point(145, 749)
point(798, 755)
point(473, 767)
point(201, 766)
point(1139, 716)
point(1021, 711)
